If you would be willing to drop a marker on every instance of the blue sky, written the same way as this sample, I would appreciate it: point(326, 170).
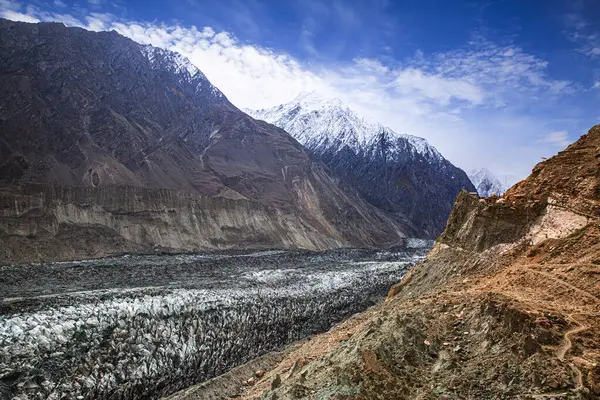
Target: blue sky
point(497, 84)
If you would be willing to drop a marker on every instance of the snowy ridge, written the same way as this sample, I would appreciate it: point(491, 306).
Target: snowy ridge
point(398, 173)
point(486, 183)
point(318, 122)
point(179, 65)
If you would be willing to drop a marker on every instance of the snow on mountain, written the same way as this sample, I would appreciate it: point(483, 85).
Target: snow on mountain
point(316, 121)
point(486, 183)
point(174, 62)
point(398, 173)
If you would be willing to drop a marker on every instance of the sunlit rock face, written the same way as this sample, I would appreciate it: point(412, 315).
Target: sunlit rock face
point(143, 327)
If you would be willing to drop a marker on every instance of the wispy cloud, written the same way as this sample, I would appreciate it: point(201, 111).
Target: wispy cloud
point(17, 16)
point(436, 87)
point(474, 103)
point(582, 32)
point(558, 138)
point(506, 68)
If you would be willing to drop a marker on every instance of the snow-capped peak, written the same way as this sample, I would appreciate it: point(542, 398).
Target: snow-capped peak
point(317, 121)
point(162, 58)
point(179, 65)
point(486, 183)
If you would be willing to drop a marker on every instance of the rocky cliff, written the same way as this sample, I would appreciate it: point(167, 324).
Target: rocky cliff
point(165, 159)
point(505, 306)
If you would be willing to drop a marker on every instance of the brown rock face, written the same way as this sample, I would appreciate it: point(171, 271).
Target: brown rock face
point(98, 111)
point(506, 304)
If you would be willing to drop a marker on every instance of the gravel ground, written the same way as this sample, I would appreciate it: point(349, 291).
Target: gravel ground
point(145, 326)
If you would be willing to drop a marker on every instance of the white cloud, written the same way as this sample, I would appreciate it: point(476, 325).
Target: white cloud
point(502, 69)
point(436, 87)
point(557, 138)
point(17, 16)
point(9, 5)
point(596, 85)
point(58, 3)
point(466, 101)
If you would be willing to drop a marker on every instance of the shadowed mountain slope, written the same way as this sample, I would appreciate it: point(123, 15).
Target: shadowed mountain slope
point(104, 140)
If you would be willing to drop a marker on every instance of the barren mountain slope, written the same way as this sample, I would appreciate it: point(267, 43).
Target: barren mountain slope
point(505, 306)
point(399, 173)
point(105, 142)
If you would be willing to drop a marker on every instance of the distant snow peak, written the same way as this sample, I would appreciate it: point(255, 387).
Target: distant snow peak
point(315, 100)
point(317, 122)
point(486, 183)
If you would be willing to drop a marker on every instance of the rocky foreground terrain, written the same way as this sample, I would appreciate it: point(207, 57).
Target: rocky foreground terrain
point(505, 306)
point(108, 146)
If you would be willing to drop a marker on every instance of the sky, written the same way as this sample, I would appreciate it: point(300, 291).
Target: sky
point(496, 84)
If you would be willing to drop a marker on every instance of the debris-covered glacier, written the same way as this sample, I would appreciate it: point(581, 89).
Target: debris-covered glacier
point(144, 326)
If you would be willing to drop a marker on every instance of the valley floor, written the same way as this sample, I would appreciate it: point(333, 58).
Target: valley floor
point(145, 326)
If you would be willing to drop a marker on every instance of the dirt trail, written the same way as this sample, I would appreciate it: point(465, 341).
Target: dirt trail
point(564, 283)
point(562, 351)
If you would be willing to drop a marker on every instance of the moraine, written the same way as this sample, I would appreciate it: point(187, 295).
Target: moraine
point(145, 326)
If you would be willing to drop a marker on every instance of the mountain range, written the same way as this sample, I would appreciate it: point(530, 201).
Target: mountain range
point(398, 173)
point(109, 146)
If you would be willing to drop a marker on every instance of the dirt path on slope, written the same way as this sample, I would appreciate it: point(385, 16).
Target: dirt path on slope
point(567, 343)
point(564, 283)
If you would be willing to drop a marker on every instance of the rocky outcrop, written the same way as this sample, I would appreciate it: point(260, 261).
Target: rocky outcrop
point(505, 305)
point(72, 223)
point(82, 109)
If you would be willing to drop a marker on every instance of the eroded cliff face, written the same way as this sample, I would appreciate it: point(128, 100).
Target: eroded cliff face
point(505, 305)
point(40, 223)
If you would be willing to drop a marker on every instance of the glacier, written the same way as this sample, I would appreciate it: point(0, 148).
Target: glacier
point(145, 326)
